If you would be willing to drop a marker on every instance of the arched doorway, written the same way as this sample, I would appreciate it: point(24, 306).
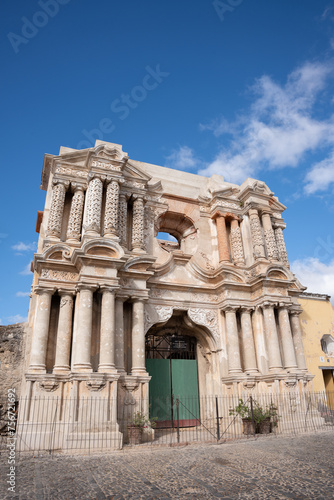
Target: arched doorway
point(172, 364)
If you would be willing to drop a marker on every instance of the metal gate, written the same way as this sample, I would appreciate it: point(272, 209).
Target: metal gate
point(171, 361)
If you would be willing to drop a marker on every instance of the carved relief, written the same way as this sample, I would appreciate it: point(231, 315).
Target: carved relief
point(236, 244)
point(271, 244)
point(49, 385)
point(95, 384)
point(208, 318)
point(58, 275)
point(56, 210)
point(161, 314)
point(94, 201)
point(71, 172)
point(76, 212)
point(257, 240)
point(208, 262)
point(138, 224)
point(223, 203)
point(122, 219)
point(107, 166)
point(283, 256)
point(111, 210)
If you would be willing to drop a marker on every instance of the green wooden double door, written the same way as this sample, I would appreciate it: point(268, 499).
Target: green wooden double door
point(172, 380)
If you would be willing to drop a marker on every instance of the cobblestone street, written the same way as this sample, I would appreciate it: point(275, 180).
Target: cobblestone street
point(267, 468)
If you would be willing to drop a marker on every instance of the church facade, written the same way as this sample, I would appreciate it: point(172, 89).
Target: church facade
point(112, 303)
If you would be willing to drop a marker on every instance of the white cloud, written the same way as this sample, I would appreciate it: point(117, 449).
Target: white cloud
point(22, 294)
point(317, 276)
point(16, 319)
point(279, 128)
point(26, 271)
point(182, 158)
point(321, 176)
point(25, 247)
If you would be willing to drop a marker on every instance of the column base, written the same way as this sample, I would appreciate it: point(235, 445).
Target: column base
point(37, 369)
point(276, 369)
point(139, 372)
point(83, 367)
point(292, 369)
point(111, 236)
point(235, 372)
point(107, 369)
point(61, 370)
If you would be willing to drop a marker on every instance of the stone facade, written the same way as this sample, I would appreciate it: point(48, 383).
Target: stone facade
point(103, 281)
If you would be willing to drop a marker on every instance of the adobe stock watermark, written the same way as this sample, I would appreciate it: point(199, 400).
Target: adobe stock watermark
point(224, 7)
point(11, 440)
point(123, 105)
point(31, 27)
point(324, 248)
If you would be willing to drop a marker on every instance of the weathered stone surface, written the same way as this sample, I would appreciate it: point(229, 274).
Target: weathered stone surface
point(11, 358)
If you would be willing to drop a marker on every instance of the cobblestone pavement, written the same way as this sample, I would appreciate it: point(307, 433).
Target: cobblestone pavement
point(266, 468)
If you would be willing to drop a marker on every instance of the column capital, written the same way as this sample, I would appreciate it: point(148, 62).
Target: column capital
point(86, 286)
point(246, 309)
point(60, 182)
point(267, 305)
point(217, 214)
point(284, 305)
point(253, 211)
point(65, 291)
point(295, 312)
point(122, 298)
point(230, 308)
point(138, 299)
point(108, 288)
point(39, 290)
point(76, 186)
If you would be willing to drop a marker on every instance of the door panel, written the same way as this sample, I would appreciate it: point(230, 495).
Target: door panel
point(185, 388)
point(160, 388)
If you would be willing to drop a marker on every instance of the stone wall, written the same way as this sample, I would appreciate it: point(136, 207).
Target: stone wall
point(11, 358)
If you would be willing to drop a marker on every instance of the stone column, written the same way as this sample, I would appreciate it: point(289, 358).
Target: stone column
point(138, 338)
point(119, 347)
point(41, 331)
point(111, 210)
point(76, 212)
point(233, 349)
point(63, 347)
point(107, 341)
point(269, 237)
point(223, 247)
point(123, 219)
point(256, 232)
point(93, 208)
point(290, 362)
point(82, 355)
point(138, 225)
point(236, 243)
point(56, 210)
point(274, 355)
point(282, 253)
point(298, 340)
point(248, 347)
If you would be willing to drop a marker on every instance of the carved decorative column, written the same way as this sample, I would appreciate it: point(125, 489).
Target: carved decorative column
point(82, 346)
point(248, 347)
point(282, 253)
point(119, 334)
point(123, 219)
point(233, 349)
point(56, 209)
point(138, 225)
point(256, 231)
point(138, 338)
point(298, 340)
point(290, 362)
point(63, 347)
point(274, 355)
point(93, 208)
point(269, 237)
point(111, 210)
point(236, 243)
point(41, 331)
point(76, 213)
point(107, 341)
point(223, 247)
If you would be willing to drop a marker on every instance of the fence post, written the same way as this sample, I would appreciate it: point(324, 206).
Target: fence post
point(217, 414)
point(177, 420)
point(252, 412)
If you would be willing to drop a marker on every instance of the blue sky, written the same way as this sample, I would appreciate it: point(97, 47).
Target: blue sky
point(239, 88)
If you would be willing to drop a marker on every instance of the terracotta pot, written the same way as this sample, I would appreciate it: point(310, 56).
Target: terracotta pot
point(134, 434)
point(247, 426)
point(265, 426)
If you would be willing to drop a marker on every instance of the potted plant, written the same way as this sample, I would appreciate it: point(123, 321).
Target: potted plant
point(137, 425)
point(263, 419)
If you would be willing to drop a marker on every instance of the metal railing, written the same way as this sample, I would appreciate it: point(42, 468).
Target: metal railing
point(96, 424)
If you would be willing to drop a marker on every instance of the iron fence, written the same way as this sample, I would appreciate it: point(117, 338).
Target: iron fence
point(95, 424)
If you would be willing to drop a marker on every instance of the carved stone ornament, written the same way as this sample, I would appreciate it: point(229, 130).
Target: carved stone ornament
point(105, 165)
point(161, 315)
point(94, 203)
point(236, 244)
point(130, 385)
point(56, 210)
point(96, 384)
point(290, 382)
point(283, 256)
point(249, 384)
point(49, 385)
point(257, 239)
point(71, 172)
point(75, 219)
point(111, 210)
point(122, 219)
point(58, 275)
point(138, 224)
point(208, 318)
point(225, 204)
point(208, 263)
point(269, 237)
